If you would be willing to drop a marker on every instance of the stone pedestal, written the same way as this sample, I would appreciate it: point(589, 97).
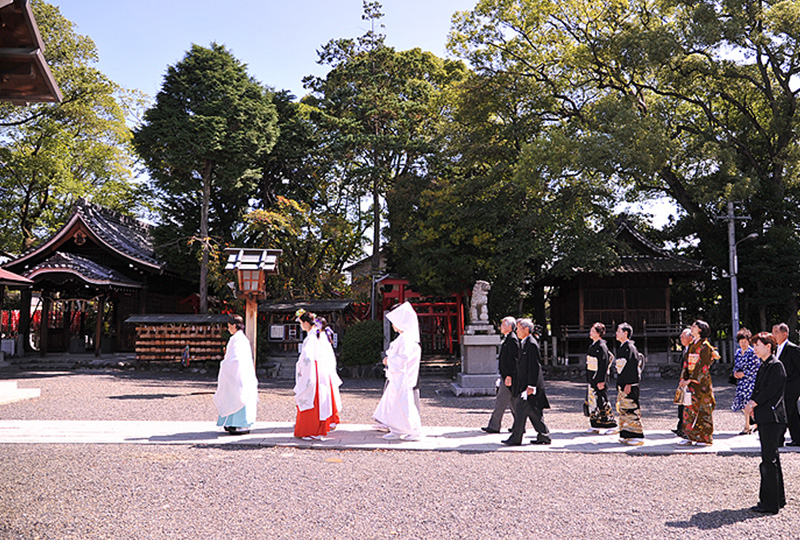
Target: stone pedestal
point(478, 364)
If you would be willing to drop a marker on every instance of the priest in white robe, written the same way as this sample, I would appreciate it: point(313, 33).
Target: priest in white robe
point(236, 397)
point(397, 409)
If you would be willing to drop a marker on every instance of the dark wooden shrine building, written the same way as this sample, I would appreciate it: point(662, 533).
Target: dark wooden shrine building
point(89, 277)
point(636, 291)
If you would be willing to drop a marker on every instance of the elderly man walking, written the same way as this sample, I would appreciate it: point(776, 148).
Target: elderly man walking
point(507, 365)
point(527, 387)
point(686, 340)
point(789, 355)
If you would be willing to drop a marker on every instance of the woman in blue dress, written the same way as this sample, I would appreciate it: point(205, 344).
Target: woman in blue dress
point(745, 367)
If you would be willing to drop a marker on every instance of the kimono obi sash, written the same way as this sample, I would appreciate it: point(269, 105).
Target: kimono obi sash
point(591, 363)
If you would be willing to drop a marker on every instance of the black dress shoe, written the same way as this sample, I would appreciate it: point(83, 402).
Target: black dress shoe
point(761, 510)
point(488, 430)
point(792, 443)
point(541, 441)
point(509, 442)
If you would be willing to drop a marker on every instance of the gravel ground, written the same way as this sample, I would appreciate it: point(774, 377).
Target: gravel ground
point(201, 492)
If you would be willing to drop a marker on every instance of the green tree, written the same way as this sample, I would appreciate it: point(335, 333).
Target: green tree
point(694, 100)
point(52, 154)
point(376, 108)
point(201, 143)
point(506, 201)
point(316, 245)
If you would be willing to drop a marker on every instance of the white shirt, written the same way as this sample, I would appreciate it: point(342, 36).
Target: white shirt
point(780, 349)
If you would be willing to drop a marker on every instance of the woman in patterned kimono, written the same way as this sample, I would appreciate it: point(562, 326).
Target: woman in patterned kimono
point(745, 368)
point(631, 431)
point(601, 417)
point(698, 421)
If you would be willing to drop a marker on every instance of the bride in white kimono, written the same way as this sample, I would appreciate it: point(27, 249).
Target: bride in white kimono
point(397, 409)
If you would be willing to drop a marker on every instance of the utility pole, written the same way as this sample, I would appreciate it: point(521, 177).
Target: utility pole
point(733, 262)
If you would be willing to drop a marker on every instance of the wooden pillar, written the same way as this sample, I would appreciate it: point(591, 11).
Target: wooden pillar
point(667, 299)
point(581, 306)
point(98, 331)
point(23, 341)
point(251, 321)
point(143, 295)
point(44, 326)
point(67, 323)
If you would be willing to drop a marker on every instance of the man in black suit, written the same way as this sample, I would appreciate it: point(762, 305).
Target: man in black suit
point(789, 355)
point(766, 405)
point(527, 386)
point(507, 365)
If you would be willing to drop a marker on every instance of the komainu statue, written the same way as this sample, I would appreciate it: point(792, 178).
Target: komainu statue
point(479, 304)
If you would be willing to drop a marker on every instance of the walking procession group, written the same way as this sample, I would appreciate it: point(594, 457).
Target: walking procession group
point(766, 372)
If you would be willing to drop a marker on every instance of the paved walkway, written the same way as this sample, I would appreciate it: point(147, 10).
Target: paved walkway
point(348, 437)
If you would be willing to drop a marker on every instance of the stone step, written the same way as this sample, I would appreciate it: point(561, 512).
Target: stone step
point(9, 392)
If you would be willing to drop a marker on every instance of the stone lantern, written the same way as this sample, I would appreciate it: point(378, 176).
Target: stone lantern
point(252, 266)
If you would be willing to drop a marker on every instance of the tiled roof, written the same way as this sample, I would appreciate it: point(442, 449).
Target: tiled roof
point(129, 237)
point(13, 280)
point(178, 318)
point(649, 258)
point(87, 270)
point(125, 234)
point(310, 305)
point(646, 264)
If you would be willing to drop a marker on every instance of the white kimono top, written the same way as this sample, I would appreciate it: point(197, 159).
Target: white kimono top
point(314, 373)
point(397, 409)
point(237, 385)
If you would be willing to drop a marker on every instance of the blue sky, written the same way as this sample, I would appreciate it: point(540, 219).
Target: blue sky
point(277, 39)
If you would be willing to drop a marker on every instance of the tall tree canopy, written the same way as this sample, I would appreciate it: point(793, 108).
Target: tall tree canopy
point(202, 142)
point(692, 99)
point(507, 201)
point(52, 154)
point(375, 109)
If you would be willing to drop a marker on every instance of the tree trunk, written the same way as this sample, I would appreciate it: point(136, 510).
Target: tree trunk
point(376, 247)
point(204, 239)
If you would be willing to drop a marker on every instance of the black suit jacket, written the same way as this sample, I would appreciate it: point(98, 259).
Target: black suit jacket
point(768, 393)
point(509, 353)
point(529, 373)
point(790, 358)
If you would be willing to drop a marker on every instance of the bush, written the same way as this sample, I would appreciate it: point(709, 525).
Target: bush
point(362, 343)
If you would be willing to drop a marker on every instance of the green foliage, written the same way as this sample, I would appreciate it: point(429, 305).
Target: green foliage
point(202, 142)
point(506, 201)
point(375, 109)
point(316, 245)
point(691, 100)
point(52, 154)
point(362, 343)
